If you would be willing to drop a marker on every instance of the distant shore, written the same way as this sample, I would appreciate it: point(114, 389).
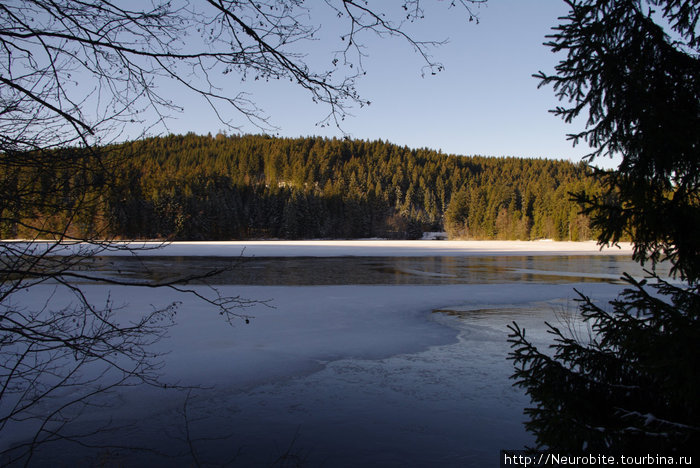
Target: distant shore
point(364, 248)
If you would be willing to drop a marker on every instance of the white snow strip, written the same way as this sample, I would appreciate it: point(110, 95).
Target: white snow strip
point(343, 248)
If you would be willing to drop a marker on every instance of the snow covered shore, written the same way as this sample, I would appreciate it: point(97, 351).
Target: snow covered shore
point(342, 248)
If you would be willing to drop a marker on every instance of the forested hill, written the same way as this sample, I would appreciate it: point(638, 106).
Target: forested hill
point(240, 187)
point(203, 187)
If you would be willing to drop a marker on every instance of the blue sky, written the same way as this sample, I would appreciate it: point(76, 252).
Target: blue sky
point(485, 102)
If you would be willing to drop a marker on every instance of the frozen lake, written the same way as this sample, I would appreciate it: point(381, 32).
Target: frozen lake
point(363, 361)
point(316, 271)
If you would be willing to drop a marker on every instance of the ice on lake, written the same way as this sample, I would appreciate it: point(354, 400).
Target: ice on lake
point(363, 361)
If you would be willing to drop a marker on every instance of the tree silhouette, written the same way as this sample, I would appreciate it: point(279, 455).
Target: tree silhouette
point(78, 75)
point(630, 384)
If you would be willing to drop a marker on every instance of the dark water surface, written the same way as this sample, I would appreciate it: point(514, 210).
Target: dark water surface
point(313, 271)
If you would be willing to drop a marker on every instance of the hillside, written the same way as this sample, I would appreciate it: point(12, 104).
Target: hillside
point(239, 187)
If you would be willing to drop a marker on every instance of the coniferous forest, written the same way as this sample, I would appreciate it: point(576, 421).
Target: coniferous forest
point(191, 187)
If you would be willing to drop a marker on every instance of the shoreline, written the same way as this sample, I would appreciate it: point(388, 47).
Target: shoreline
point(332, 248)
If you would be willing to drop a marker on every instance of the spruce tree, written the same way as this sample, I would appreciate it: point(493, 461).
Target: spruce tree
point(632, 386)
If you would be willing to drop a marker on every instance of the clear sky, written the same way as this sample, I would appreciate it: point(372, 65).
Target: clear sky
point(485, 102)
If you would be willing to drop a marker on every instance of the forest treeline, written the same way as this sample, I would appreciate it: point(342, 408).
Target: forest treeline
point(253, 186)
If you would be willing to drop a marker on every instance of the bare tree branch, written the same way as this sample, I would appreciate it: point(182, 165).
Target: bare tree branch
point(76, 75)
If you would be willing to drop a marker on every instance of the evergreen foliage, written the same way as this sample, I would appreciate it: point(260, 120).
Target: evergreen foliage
point(631, 386)
point(253, 186)
point(638, 86)
point(628, 387)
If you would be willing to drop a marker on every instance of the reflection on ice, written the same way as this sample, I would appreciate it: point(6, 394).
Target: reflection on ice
point(363, 361)
point(298, 271)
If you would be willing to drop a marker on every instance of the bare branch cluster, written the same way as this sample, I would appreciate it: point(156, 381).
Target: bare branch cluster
point(56, 358)
point(76, 75)
point(73, 71)
point(365, 18)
